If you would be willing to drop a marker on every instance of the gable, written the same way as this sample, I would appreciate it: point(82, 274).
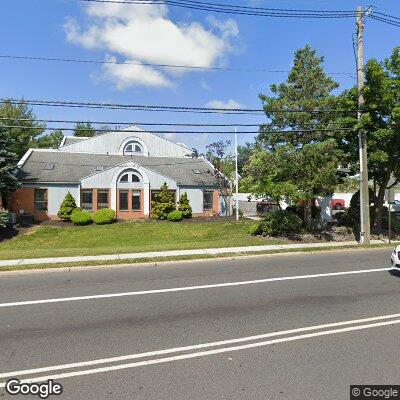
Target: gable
point(113, 143)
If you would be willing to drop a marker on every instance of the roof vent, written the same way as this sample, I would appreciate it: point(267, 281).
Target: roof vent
point(197, 171)
point(101, 168)
point(48, 167)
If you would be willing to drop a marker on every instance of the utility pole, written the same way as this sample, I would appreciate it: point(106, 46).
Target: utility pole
point(365, 227)
point(236, 177)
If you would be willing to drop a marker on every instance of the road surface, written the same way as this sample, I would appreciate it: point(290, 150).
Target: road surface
point(269, 327)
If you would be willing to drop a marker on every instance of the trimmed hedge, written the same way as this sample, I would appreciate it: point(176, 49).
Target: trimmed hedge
point(277, 223)
point(81, 217)
point(175, 216)
point(104, 216)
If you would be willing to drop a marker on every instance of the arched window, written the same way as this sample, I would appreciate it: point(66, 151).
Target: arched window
point(133, 147)
point(129, 177)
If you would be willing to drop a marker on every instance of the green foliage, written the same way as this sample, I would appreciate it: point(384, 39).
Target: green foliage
point(164, 203)
point(307, 88)
point(8, 159)
point(3, 219)
point(175, 216)
point(277, 223)
point(81, 217)
point(83, 129)
point(381, 123)
point(256, 229)
point(50, 141)
point(21, 138)
point(67, 207)
point(104, 216)
point(234, 212)
point(184, 206)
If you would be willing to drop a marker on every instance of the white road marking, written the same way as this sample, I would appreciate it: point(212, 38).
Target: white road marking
point(188, 288)
point(204, 353)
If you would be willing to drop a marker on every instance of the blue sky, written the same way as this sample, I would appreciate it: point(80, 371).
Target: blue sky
point(72, 29)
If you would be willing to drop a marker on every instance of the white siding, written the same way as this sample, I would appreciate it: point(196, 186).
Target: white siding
point(112, 143)
point(195, 196)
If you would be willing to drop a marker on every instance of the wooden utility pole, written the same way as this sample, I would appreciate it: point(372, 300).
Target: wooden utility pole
point(365, 228)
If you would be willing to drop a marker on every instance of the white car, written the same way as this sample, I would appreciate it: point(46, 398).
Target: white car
point(395, 258)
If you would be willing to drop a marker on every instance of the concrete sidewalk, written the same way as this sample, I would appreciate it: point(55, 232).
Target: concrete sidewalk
point(175, 253)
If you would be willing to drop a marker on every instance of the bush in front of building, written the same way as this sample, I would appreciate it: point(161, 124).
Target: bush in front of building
point(164, 203)
point(277, 223)
point(184, 206)
point(3, 219)
point(175, 216)
point(104, 216)
point(81, 217)
point(67, 207)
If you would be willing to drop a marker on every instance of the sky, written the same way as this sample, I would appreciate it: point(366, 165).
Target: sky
point(166, 35)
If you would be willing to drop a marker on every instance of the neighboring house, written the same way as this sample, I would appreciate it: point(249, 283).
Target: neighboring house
point(120, 170)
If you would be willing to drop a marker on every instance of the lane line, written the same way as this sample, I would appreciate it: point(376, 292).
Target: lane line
point(205, 353)
point(189, 288)
point(195, 347)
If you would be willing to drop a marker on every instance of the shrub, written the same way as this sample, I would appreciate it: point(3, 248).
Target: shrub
point(104, 216)
point(3, 219)
point(164, 203)
point(175, 216)
point(234, 212)
point(81, 217)
point(256, 229)
point(184, 206)
point(67, 207)
point(277, 223)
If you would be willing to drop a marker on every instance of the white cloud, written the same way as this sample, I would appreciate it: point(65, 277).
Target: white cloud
point(204, 85)
point(227, 105)
point(146, 34)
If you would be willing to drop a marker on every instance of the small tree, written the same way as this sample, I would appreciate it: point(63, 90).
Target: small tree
point(164, 203)
point(184, 206)
point(67, 207)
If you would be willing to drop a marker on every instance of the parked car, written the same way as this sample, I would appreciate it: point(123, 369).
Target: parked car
point(395, 258)
point(395, 206)
point(338, 204)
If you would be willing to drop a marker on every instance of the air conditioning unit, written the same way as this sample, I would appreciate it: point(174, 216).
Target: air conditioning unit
point(12, 218)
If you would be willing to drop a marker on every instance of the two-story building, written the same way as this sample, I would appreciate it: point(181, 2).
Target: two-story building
point(121, 170)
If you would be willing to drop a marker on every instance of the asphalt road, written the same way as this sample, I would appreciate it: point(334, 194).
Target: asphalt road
point(304, 310)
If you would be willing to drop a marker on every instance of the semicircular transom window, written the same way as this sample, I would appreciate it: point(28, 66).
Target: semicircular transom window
point(129, 177)
point(133, 147)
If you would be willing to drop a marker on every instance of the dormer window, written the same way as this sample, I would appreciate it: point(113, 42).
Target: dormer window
point(133, 147)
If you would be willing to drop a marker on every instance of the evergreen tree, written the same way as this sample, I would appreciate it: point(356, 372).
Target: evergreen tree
point(163, 204)
point(8, 160)
point(49, 141)
point(184, 206)
point(84, 129)
point(67, 207)
point(20, 115)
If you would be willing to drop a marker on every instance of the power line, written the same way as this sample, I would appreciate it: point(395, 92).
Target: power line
point(177, 132)
point(385, 21)
point(168, 108)
point(196, 67)
point(240, 10)
point(154, 123)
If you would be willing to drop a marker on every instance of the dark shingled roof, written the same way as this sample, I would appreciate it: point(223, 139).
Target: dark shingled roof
point(72, 167)
point(73, 139)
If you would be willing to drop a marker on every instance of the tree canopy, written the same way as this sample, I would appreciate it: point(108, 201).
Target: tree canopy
point(84, 129)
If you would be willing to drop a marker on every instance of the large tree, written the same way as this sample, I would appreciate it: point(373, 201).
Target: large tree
point(20, 125)
point(84, 129)
point(381, 122)
point(8, 160)
point(296, 158)
point(51, 140)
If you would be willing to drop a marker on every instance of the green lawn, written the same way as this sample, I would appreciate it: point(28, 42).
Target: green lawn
point(128, 237)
